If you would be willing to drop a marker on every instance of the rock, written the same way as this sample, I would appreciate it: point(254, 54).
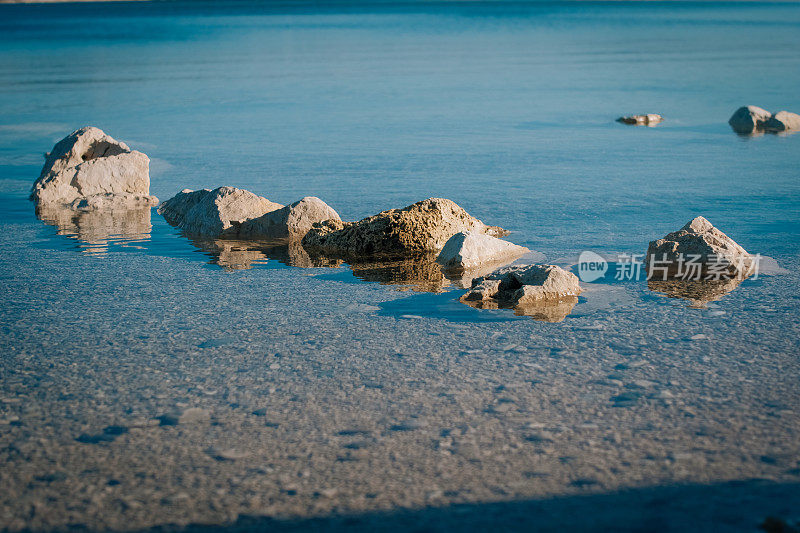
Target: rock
point(711, 253)
point(544, 292)
point(466, 250)
point(748, 119)
point(421, 227)
point(651, 119)
point(782, 121)
point(292, 221)
point(215, 213)
point(90, 170)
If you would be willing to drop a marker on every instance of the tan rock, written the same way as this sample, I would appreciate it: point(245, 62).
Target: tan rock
point(525, 284)
point(697, 243)
point(783, 121)
point(650, 119)
point(468, 250)
point(421, 227)
point(292, 221)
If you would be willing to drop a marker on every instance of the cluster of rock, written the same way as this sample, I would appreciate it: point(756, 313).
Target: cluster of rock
point(650, 119)
point(89, 170)
point(231, 213)
point(753, 119)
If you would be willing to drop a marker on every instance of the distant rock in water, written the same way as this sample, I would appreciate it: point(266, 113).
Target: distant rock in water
point(467, 250)
point(697, 250)
point(421, 227)
point(748, 119)
point(546, 292)
point(753, 119)
point(89, 170)
point(651, 119)
point(783, 121)
point(228, 212)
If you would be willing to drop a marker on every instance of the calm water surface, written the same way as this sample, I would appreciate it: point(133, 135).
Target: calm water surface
point(507, 109)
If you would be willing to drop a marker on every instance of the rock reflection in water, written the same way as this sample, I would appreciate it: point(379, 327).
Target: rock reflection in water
point(97, 230)
point(545, 310)
point(241, 255)
point(698, 292)
point(419, 273)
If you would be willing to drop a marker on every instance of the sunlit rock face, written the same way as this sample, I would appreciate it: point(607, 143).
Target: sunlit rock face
point(697, 250)
point(228, 212)
point(533, 290)
point(290, 222)
point(699, 293)
point(91, 170)
point(421, 227)
point(650, 119)
point(214, 213)
point(469, 250)
point(98, 228)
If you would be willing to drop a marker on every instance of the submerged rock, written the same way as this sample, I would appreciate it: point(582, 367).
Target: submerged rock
point(467, 250)
point(421, 227)
point(748, 119)
point(650, 119)
point(782, 121)
point(697, 249)
point(292, 221)
point(228, 212)
point(90, 170)
point(544, 292)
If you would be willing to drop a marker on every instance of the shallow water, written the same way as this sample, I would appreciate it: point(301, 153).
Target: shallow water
point(378, 389)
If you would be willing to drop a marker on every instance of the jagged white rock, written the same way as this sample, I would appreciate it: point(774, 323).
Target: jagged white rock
point(95, 170)
point(466, 250)
point(700, 243)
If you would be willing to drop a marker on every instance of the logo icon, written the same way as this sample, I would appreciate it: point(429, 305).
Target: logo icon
point(591, 266)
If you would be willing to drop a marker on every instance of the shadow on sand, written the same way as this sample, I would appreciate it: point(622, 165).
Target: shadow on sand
point(732, 506)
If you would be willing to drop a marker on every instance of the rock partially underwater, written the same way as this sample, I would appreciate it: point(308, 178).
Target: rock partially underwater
point(650, 119)
point(470, 250)
point(752, 119)
point(421, 227)
point(89, 170)
point(697, 250)
point(546, 292)
point(228, 212)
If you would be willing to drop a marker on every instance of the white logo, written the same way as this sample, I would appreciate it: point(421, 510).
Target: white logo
point(591, 266)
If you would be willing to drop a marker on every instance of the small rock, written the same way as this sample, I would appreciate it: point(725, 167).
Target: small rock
point(783, 121)
point(466, 250)
point(651, 119)
point(748, 119)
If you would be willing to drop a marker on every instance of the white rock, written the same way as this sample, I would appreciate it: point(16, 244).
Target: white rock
point(748, 119)
point(216, 213)
point(526, 284)
point(292, 221)
point(783, 121)
point(466, 250)
point(703, 244)
point(89, 163)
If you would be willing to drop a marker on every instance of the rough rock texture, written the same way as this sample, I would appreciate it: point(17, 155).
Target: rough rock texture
point(748, 119)
point(543, 292)
point(292, 221)
point(525, 284)
point(215, 213)
point(650, 119)
point(783, 121)
point(709, 248)
point(421, 227)
point(89, 163)
point(466, 250)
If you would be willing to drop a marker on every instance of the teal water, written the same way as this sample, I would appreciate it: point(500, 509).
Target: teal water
point(506, 108)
